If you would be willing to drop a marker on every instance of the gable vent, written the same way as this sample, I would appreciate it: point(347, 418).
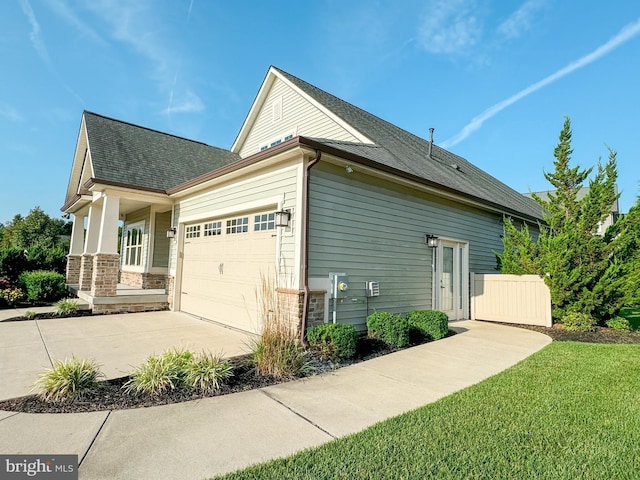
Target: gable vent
point(276, 110)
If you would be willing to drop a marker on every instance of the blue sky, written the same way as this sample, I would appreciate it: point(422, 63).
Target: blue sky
point(493, 78)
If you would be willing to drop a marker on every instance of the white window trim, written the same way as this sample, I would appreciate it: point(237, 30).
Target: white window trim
point(125, 248)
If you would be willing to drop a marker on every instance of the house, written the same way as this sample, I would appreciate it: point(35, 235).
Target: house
point(350, 213)
point(613, 216)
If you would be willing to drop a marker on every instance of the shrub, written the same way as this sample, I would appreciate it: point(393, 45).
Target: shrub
point(278, 351)
point(206, 373)
point(30, 314)
point(619, 323)
point(334, 340)
point(161, 373)
point(579, 322)
point(41, 258)
point(66, 307)
point(13, 262)
point(430, 323)
point(67, 379)
point(43, 286)
point(179, 368)
point(392, 329)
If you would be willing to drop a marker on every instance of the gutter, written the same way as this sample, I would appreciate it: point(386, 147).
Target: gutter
point(305, 246)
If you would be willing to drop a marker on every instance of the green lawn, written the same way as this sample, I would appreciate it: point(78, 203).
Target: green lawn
point(633, 315)
point(569, 411)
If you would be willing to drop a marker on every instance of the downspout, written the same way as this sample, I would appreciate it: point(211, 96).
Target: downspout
point(305, 246)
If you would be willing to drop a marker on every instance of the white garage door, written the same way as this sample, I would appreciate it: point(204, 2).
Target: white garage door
point(222, 264)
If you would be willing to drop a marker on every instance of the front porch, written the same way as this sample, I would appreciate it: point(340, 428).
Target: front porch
point(127, 299)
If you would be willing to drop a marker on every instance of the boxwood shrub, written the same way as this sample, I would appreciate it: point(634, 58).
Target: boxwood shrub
point(392, 329)
point(430, 323)
point(43, 286)
point(619, 323)
point(334, 340)
point(579, 322)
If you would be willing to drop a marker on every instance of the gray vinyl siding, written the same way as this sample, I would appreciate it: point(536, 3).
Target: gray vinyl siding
point(373, 230)
point(279, 184)
point(161, 243)
point(297, 114)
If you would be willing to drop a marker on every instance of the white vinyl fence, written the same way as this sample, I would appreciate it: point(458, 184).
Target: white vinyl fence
point(521, 299)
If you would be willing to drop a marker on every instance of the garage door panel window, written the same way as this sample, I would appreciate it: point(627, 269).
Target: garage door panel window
point(265, 221)
point(212, 229)
point(238, 225)
point(193, 231)
point(133, 244)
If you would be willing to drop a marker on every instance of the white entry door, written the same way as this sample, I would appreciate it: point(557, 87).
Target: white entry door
point(452, 279)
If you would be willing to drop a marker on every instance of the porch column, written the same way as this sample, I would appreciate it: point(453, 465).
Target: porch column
point(90, 246)
point(74, 259)
point(106, 261)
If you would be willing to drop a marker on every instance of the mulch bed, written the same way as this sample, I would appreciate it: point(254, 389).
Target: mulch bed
point(50, 315)
point(601, 335)
point(110, 395)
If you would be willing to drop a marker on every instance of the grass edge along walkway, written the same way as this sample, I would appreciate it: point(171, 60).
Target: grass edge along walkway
point(571, 410)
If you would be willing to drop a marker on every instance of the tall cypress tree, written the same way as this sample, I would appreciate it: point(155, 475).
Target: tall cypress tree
point(575, 261)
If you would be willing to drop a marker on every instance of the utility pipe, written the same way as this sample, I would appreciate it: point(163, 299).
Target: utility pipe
point(305, 246)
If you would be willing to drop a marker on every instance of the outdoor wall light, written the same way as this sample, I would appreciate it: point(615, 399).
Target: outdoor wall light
point(430, 240)
point(283, 218)
point(349, 169)
point(171, 233)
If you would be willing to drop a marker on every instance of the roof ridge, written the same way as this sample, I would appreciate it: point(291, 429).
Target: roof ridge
point(153, 130)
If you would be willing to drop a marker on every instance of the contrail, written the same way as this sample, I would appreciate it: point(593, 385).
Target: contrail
point(626, 34)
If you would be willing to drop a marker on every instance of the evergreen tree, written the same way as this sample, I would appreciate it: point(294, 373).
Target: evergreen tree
point(577, 264)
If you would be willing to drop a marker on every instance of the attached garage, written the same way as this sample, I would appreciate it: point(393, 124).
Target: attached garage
point(223, 260)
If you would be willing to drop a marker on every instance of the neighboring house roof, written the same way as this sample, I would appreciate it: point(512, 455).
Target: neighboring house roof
point(127, 154)
point(544, 195)
point(406, 152)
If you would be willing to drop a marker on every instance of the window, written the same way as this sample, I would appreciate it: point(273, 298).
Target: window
point(133, 244)
point(266, 221)
point(193, 231)
point(238, 225)
point(278, 140)
point(212, 228)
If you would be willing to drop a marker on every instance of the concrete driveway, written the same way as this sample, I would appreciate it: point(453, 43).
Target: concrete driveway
point(209, 436)
point(118, 343)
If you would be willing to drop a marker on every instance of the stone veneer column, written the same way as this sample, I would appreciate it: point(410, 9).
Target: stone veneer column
point(86, 271)
point(170, 289)
point(76, 248)
point(104, 281)
point(74, 264)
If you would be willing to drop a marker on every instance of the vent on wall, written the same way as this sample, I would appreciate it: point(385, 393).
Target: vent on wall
point(372, 289)
point(276, 110)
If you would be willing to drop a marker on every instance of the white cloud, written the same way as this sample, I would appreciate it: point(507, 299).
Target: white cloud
point(450, 26)
point(627, 33)
point(10, 113)
point(35, 35)
point(520, 20)
point(62, 9)
point(189, 103)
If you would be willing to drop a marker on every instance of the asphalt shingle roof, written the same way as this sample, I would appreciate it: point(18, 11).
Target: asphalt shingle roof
point(140, 157)
point(404, 151)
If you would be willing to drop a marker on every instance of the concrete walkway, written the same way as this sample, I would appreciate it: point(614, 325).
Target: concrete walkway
point(203, 438)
